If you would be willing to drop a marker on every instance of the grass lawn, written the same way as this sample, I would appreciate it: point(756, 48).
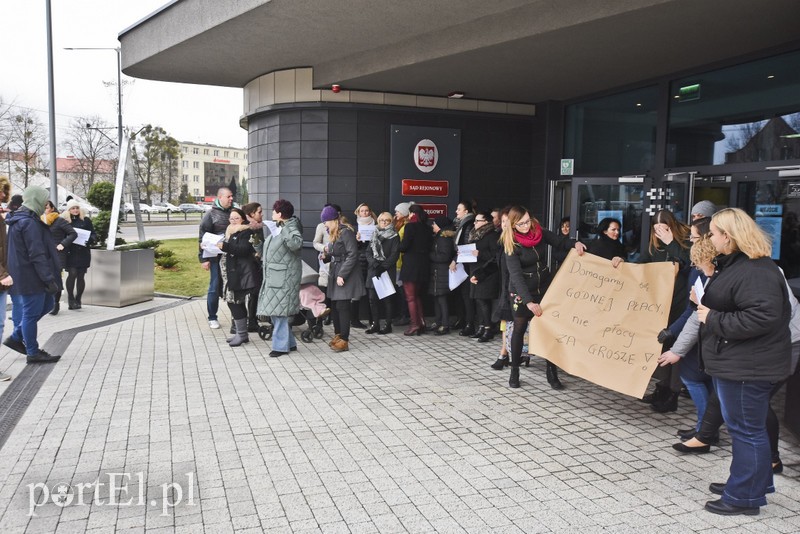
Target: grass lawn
point(187, 278)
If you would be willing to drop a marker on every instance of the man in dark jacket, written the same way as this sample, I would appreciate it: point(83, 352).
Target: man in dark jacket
point(215, 221)
point(34, 266)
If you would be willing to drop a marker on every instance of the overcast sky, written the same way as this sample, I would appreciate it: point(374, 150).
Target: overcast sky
point(193, 113)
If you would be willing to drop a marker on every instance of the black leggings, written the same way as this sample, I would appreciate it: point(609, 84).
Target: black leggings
point(484, 312)
point(442, 315)
point(375, 307)
point(341, 318)
point(468, 305)
point(76, 277)
point(517, 338)
point(238, 311)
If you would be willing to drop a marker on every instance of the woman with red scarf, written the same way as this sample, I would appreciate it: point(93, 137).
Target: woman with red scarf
point(525, 244)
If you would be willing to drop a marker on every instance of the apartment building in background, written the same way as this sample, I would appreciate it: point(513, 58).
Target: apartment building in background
point(205, 168)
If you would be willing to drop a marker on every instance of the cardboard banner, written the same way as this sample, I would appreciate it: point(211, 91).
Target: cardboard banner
point(601, 323)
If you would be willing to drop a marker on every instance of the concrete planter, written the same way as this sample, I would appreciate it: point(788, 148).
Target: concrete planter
point(120, 278)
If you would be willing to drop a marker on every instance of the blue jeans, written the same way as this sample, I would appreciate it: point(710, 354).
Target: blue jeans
point(26, 312)
point(697, 382)
point(744, 407)
point(214, 282)
point(282, 337)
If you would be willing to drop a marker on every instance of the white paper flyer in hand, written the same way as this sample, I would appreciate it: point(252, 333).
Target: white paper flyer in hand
point(457, 277)
point(83, 237)
point(699, 289)
point(365, 231)
point(383, 285)
point(274, 229)
point(209, 244)
point(465, 254)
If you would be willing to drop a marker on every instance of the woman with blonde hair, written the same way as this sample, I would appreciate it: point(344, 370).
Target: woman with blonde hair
point(382, 254)
point(345, 282)
point(746, 348)
point(80, 256)
point(364, 217)
point(524, 243)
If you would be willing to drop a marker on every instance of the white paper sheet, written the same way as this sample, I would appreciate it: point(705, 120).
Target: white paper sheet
point(365, 232)
point(465, 254)
point(274, 229)
point(83, 237)
point(383, 285)
point(209, 244)
point(699, 290)
point(457, 277)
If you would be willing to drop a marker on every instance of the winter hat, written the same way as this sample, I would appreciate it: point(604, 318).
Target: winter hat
point(706, 208)
point(403, 208)
point(34, 198)
point(443, 221)
point(71, 203)
point(329, 213)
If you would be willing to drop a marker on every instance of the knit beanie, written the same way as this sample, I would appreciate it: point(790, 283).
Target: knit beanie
point(403, 208)
point(71, 203)
point(706, 208)
point(34, 198)
point(329, 213)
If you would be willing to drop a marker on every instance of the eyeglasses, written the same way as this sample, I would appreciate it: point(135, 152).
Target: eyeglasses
point(520, 224)
point(480, 220)
point(385, 220)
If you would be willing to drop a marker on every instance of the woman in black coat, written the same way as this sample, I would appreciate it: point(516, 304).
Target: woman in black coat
point(463, 223)
point(443, 253)
point(241, 272)
point(746, 348)
point(382, 254)
point(415, 246)
point(80, 257)
point(485, 278)
point(607, 244)
point(63, 234)
point(525, 245)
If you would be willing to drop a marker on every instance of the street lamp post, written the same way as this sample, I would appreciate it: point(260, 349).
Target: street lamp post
point(136, 212)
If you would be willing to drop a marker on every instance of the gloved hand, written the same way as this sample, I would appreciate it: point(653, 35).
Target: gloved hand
point(666, 337)
point(52, 288)
point(379, 270)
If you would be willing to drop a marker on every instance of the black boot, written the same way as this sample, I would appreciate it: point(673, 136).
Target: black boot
point(373, 328)
point(552, 376)
point(513, 380)
point(56, 304)
point(488, 335)
point(478, 333)
point(669, 404)
point(500, 363)
point(467, 331)
point(252, 325)
point(659, 394)
point(70, 302)
point(355, 318)
point(386, 329)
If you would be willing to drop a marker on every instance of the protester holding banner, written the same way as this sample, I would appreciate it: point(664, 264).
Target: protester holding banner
point(382, 254)
point(746, 348)
point(485, 278)
point(607, 244)
point(669, 242)
point(525, 244)
point(415, 246)
point(443, 253)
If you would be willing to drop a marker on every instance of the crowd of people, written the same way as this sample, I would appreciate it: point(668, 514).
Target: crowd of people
point(486, 273)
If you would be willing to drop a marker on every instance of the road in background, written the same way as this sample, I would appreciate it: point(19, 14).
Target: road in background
point(176, 231)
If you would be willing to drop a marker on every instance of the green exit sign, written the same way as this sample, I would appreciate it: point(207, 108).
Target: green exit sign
point(687, 93)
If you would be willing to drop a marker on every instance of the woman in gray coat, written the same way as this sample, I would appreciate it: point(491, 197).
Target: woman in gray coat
point(280, 291)
point(345, 282)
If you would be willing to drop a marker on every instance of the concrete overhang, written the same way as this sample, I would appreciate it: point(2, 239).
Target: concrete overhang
point(525, 51)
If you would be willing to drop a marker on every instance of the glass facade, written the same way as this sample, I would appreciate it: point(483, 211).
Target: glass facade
point(614, 134)
point(741, 114)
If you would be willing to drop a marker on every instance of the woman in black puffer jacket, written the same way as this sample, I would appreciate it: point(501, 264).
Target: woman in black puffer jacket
point(80, 257)
point(746, 348)
point(485, 278)
point(63, 234)
point(241, 272)
point(442, 255)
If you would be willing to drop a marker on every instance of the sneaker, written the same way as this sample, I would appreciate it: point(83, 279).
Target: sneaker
point(43, 357)
point(14, 344)
point(4, 377)
point(213, 323)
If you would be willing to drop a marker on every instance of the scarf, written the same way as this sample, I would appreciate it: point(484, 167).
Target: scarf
point(49, 218)
point(476, 234)
point(531, 239)
point(458, 223)
point(365, 220)
point(381, 235)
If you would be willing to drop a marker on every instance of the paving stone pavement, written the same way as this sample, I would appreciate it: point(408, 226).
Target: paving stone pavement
point(398, 435)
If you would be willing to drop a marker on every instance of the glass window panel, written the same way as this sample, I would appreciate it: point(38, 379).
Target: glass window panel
point(623, 202)
point(741, 114)
point(615, 133)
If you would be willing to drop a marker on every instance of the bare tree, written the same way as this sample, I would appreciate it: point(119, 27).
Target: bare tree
point(155, 159)
point(27, 137)
point(93, 151)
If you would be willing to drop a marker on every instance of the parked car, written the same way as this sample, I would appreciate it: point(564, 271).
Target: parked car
point(191, 208)
point(145, 208)
point(166, 206)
